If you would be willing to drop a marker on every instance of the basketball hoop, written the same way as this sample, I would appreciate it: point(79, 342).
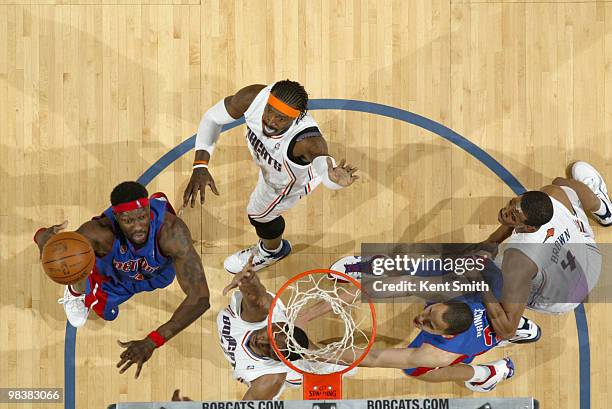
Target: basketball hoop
point(321, 367)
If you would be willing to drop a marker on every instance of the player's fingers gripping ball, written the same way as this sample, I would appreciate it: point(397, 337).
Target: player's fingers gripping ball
point(68, 257)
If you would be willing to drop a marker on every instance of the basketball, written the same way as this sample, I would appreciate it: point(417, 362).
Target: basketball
point(67, 257)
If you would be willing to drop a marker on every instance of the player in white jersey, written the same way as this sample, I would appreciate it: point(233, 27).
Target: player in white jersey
point(289, 149)
point(243, 333)
point(551, 262)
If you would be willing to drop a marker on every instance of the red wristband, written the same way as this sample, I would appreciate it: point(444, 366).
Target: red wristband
point(157, 339)
point(36, 234)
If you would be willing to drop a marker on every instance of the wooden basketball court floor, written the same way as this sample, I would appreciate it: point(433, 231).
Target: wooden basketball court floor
point(91, 95)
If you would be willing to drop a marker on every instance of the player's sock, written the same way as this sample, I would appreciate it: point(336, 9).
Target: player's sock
point(498, 371)
point(481, 373)
point(73, 291)
point(280, 246)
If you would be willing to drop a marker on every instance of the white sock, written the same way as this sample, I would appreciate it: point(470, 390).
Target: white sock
point(280, 246)
point(602, 208)
point(481, 373)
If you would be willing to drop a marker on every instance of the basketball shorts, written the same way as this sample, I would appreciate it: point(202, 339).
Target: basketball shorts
point(104, 296)
point(267, 202)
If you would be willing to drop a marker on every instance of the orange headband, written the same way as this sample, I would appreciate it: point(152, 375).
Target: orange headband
point(282, 107)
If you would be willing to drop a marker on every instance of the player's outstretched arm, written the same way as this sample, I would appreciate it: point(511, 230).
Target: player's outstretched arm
point(403, 358)
point(223, 112)
point(266, 387)
point(314, 150)
point(43, 234)
point(174, 241)
point(256, 300)
point(100, 238)
point(505, 315)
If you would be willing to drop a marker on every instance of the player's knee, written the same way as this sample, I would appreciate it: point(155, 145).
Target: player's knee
point(269, 230)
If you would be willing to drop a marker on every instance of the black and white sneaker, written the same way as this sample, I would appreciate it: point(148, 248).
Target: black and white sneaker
point(261, 257)
point(527, 333)
point(587, 174)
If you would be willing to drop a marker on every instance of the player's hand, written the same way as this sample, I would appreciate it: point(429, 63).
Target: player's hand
point(343, 174)
point(200, 178)
point(247, 273)
point(41, 237)
point(176, 397)
point(44, 235)
point(136, 352)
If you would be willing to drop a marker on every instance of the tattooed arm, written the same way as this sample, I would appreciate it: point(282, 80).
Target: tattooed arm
point(174, 241)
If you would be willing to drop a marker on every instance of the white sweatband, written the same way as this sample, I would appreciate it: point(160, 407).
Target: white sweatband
point(320, 166)
point(210, 127)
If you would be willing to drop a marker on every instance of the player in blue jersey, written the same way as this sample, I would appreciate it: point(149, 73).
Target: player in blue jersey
point(452, 335)
point(140, 245)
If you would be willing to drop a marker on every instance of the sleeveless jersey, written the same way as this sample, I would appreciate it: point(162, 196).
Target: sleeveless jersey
point(562, 250)
point(234, 335)
point(136, 270)
point(270, 152)
point(477, 340)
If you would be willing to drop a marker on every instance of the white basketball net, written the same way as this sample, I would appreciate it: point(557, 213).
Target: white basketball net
point(344, 303)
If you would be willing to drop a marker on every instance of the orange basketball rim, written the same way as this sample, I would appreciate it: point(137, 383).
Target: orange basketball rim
point(321, 386)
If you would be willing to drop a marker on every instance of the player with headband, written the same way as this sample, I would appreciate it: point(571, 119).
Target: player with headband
point(140, 245)
point(286, 144)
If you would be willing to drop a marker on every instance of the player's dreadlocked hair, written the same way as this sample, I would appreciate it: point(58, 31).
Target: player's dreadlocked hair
point(127, 191)
point(292, 94)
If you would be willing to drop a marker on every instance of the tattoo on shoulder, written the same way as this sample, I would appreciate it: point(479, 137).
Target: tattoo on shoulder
point(175, 238)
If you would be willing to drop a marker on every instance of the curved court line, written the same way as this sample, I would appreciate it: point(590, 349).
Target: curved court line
point(390, 112)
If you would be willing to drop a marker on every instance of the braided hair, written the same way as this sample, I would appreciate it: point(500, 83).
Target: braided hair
point(292, 94)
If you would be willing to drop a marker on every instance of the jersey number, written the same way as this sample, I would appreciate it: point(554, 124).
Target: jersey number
point(570, 261)
point(489, 336)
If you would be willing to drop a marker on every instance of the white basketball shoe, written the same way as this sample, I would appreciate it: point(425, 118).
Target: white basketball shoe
point(75, 308)
point(527, 332)
point(587, 174)
point(500, 370)
point(353, 266)
point(261, 257)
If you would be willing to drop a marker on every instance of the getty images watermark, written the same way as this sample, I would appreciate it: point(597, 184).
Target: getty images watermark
point(428, 270)
point(568, 272)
